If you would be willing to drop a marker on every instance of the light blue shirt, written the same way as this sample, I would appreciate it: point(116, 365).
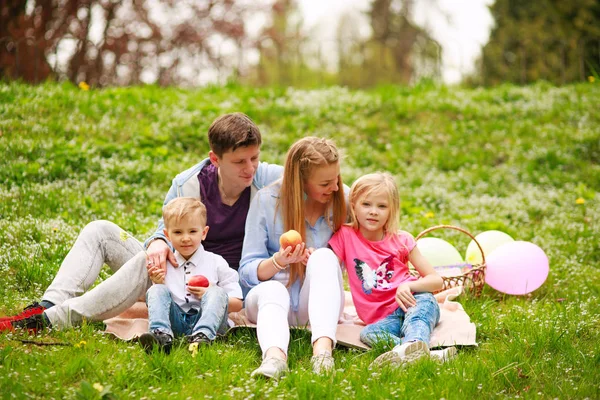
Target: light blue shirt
point(261, 241)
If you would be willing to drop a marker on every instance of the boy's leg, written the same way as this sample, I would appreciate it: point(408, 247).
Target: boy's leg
point(98, 243)
point(160, 309)
point(386, 330)
point(110, 298)
point(213, 313)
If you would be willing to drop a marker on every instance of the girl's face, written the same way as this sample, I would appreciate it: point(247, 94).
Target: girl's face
point(372, 212)
point(322, 183)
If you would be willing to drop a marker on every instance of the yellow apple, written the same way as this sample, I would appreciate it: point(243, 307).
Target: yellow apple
point(290, 238)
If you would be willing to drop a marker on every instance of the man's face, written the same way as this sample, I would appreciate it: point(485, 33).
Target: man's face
point(237, 167)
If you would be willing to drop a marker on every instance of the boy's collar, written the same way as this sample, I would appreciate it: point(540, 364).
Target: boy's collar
point(194, 259)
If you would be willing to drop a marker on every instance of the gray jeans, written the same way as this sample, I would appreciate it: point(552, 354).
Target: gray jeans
point(98, 243)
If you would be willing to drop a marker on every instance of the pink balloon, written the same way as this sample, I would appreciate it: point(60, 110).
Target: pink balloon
point(516, 268)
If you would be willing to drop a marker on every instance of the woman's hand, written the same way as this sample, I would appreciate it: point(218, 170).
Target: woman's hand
point(291, 255)
point(157, 274)
point(404, 297)
point(198, 291)
point(307, 253)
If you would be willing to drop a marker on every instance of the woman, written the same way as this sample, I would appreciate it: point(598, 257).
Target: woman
point(303, 284)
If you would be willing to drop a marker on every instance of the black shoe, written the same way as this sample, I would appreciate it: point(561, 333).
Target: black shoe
point(160, 340)
point(32, 324)
point(199, 338)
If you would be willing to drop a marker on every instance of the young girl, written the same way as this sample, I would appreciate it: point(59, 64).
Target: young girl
point(396, 306)
point(297, 285)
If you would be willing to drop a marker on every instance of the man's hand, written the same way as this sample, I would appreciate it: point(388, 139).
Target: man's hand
point(157, 254)
point(404, 297)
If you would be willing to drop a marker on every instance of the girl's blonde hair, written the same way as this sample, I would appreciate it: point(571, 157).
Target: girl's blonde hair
point(372, 183)
point(302, 159)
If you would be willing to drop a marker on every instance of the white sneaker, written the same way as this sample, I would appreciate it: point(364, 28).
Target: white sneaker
point(400, 355)
point(443, 355)
point(322, 363)
point(271, 367)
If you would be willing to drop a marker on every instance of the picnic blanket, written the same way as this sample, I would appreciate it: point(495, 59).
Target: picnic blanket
point(454, 328)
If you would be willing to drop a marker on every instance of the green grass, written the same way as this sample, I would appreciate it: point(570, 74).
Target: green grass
point(508, 158)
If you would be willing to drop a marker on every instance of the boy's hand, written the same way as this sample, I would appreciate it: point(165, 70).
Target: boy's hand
point(404, 297)
point(157, 274)
point(198, 291)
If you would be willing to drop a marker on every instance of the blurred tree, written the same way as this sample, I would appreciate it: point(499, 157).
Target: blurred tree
point(112, 42)
point(555, 40)
point(395, 41)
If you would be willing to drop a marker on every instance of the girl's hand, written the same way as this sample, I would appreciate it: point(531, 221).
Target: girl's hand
point(198, 291)
point(291, 255)
point(404, 297)
point(157, 274)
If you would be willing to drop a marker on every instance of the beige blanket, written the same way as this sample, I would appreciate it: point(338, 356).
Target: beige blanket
point(455, 326)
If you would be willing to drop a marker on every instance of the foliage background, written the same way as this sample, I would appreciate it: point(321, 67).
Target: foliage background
point(508, 158)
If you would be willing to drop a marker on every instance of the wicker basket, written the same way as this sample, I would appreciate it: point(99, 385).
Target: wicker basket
point(472, 279)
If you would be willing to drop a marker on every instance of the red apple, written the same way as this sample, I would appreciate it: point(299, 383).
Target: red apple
point(290, 238)
point(198, 280)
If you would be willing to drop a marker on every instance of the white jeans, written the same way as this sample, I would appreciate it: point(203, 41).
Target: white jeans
point(321, 304)
point(98, 243)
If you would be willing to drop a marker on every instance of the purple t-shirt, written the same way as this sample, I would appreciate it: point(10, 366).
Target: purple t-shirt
point(227, 223)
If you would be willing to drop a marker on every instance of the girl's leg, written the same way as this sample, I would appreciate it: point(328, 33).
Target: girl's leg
point(268, 305)
point(213, 313)
point(98, 243)
point(420, 320)
point(386, 330)
point(322, 299)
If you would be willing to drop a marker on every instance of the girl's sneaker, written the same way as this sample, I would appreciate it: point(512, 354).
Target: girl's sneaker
point(443, 355)
point(404, 354)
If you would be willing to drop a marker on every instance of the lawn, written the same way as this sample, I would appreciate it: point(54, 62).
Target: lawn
point(524, 160)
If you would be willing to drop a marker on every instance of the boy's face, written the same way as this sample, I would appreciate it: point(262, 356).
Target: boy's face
point(186, 234)
point(237, 168)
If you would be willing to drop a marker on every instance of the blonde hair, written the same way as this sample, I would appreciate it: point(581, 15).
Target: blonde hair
point(181, 207)
point(372, 183)
point(302, 159)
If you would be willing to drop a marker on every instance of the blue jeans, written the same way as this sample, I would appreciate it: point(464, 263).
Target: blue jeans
point(400, 327)
point(166, 316)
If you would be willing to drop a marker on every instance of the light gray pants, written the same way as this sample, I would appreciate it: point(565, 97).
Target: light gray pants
point(98, 243)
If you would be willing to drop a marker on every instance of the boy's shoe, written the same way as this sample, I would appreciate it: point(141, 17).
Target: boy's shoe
point(443, 355)
point(271, 367)
point(157, 339)
point(32, 324)
point(404, 354)
point(32, 309)
point(323, 363)
point(199, 338)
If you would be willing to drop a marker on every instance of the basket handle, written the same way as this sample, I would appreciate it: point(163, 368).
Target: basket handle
point(434, 228)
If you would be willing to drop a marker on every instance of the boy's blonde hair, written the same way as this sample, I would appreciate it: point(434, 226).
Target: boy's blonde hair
point(181, 207)
point(302, 158)
point(372, 183)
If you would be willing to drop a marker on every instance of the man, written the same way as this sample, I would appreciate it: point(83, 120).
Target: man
point(225, 182)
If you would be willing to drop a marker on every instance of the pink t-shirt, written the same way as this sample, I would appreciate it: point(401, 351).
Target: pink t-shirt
point(375, 269)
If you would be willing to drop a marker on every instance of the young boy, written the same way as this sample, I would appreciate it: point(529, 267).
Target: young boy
point(174, 307)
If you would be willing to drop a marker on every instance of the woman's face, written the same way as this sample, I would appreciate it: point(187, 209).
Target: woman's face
point(322, 183)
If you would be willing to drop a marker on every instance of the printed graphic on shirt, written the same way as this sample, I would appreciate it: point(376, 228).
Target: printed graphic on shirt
point(375, 278)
